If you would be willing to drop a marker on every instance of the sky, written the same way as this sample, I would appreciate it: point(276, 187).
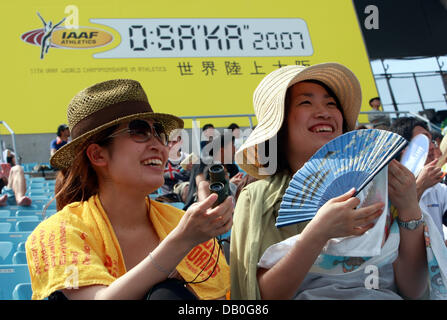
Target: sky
point(405, 92)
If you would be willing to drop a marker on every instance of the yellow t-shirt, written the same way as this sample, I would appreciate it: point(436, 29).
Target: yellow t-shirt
point(77, 247)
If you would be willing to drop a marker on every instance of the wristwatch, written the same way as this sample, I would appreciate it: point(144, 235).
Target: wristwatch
point(410, 225)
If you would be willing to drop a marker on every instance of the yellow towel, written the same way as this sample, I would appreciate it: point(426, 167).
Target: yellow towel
point(77, 247)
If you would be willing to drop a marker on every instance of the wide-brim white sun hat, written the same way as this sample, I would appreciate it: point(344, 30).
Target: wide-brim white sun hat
point(269, 105)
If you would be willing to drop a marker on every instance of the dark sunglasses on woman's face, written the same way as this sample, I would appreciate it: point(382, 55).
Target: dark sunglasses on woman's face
point(141, 131)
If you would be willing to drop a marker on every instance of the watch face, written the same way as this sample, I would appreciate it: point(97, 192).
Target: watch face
point(411, 225)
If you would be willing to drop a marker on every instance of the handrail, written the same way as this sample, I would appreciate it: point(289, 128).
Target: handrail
point(196, 129)
point(430, 125)
point(13, 138)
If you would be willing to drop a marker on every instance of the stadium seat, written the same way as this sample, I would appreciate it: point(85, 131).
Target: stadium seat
point(52, 205)
point(5, 226)
point(14, 237)
point(10, 276)
point(40, 192)
point(35, 212)
point(37, 179)
point(40, 197)
point(19, 257)
point(22, 291)
point(21, 247)
point(6, 252)
point(26, 225)
point(14, 208)
point(13, 220)
point(178, 205)
point(5, 213)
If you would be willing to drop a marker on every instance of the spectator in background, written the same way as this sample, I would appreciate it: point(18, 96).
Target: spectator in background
point(63, 133)
point(13, 175)
point(238, 139)
point(431, 193)
point(437, 139)
point(377, 120)
point(174, 173)
point(208, 133)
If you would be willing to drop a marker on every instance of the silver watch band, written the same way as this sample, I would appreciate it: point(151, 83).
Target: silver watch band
point(410, 225)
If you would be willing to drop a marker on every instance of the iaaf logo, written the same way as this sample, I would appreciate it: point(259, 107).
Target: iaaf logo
point(69, 36)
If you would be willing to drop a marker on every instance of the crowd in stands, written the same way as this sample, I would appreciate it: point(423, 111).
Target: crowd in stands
point(113, 175)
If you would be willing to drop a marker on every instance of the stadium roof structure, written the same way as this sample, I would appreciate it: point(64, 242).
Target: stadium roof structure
point(404, 28)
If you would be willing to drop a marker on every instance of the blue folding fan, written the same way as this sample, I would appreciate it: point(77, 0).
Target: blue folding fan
point(350, 160)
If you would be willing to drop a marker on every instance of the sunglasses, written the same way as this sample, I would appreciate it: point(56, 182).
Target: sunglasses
point(140, 131)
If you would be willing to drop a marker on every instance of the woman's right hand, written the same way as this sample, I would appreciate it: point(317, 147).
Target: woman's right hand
point(202, 222)
point(339, 217)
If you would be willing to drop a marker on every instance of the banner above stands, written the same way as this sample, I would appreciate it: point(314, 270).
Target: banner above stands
point(192, 58)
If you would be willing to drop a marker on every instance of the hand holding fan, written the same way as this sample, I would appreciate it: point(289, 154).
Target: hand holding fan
point(350, 160)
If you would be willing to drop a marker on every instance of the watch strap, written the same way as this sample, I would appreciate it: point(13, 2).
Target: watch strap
point(410, 225)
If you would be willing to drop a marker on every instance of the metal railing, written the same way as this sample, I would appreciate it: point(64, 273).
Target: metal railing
point(13, 139)
point(196, 128)
point(430, 125)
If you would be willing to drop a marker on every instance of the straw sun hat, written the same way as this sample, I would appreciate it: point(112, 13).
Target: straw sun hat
point(269, 99)
point(103, 105)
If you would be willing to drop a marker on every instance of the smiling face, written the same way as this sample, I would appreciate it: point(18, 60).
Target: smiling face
point(313, 120)
point(136, 165)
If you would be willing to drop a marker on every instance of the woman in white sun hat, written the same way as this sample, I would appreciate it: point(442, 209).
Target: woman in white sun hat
point(299, 110)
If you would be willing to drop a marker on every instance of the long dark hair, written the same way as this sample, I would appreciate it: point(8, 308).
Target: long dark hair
point(282, 135)
point(80, 181)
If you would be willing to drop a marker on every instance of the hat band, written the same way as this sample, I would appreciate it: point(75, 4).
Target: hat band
point(109, 114)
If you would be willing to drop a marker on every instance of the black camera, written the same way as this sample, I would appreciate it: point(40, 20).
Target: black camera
point(219, 183)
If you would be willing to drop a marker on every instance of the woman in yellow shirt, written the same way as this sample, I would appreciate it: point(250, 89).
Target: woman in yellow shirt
point(109, 241)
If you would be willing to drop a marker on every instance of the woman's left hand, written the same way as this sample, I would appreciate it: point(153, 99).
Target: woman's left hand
point(402, 190)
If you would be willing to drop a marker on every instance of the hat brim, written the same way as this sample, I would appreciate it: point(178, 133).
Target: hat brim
point(269, 100)
point(63, 158)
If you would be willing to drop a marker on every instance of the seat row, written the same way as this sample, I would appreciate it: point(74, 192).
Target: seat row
point(38, 213)
point(15, 282)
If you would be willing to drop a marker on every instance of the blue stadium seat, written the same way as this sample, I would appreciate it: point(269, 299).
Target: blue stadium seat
point(5, 227)
point(19, 257)
point(21, 247)
point(5, 213)
point(10, 276)
point(14, 237)
point(52, 205)
point(22, 291)
point(178, 205)
point(14, 208)
point(6, 252)
point(40, 197)
point(40, 192)
point(37, 179)
point(13, 220)
point(29, 166)
point(35, 212)
point(26, 225)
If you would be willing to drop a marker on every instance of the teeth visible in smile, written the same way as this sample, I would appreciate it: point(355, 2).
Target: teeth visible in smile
point(152, 162)
point(323, 129)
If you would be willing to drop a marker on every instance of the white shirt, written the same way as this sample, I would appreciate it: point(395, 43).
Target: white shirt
point(434, 202)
